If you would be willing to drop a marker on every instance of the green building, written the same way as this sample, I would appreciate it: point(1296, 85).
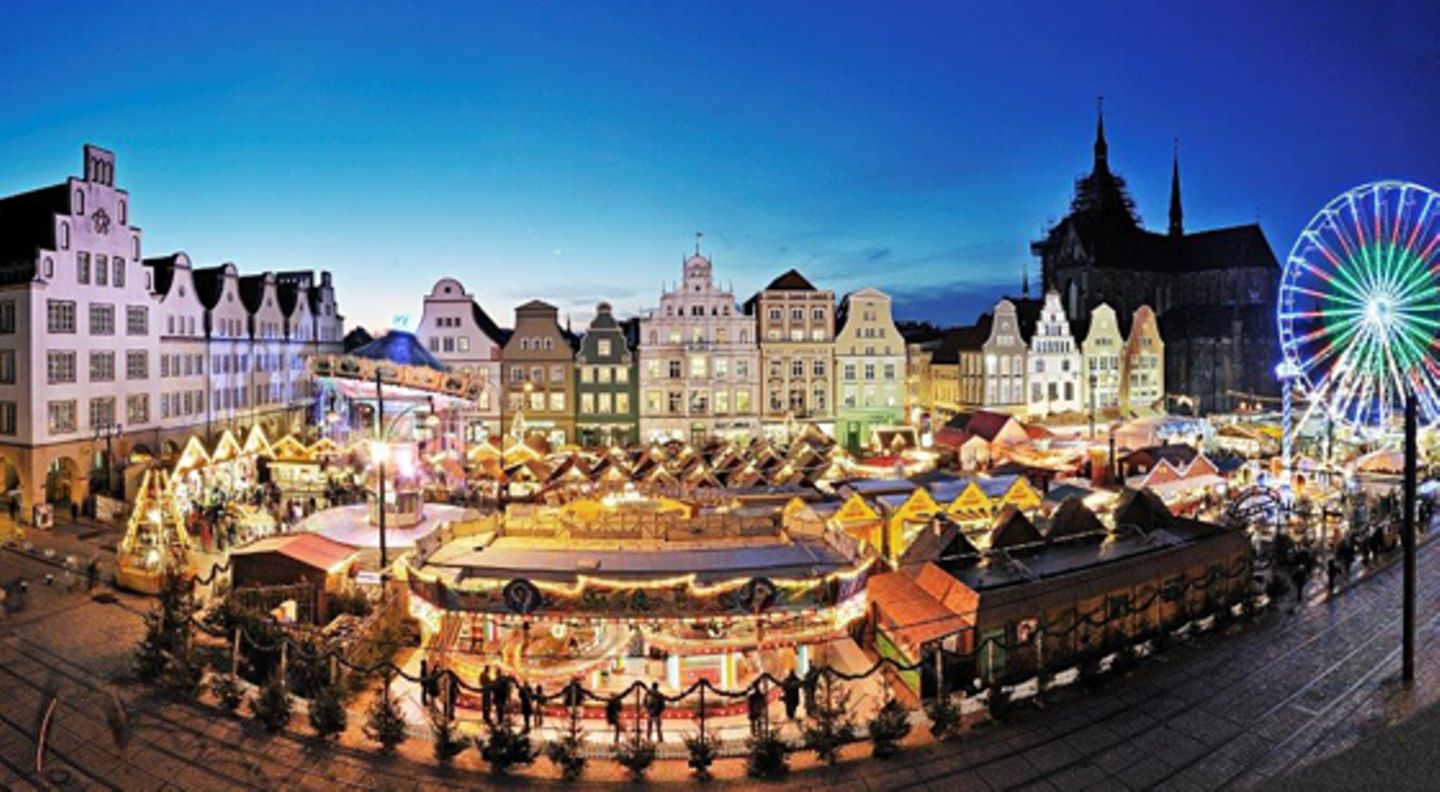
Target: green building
point(606, 384)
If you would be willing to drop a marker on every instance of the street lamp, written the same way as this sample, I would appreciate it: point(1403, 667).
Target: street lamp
point(379, 450)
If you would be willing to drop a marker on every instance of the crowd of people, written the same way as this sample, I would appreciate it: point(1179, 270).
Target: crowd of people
point(1371, 534)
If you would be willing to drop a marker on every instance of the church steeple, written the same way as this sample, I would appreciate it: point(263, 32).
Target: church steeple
point(1102, 151)
point(1177, 214)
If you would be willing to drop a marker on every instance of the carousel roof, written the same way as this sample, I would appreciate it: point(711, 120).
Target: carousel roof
point(400, 348)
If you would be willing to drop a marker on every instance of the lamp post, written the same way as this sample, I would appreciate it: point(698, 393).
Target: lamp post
point(108, 431)
point(1093, 380)
point(378, 450)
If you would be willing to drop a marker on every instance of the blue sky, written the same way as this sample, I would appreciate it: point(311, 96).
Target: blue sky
point(569, 151)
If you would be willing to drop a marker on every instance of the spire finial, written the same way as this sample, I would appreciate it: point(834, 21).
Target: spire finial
point(698, 234)
point(1025, 281)
point(1102, 150)
point(1177, 212)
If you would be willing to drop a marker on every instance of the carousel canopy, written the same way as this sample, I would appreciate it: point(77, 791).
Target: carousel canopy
point(400, 348)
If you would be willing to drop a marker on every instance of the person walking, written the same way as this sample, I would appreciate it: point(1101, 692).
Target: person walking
point(502, 696)
point(612, 715)
point(655, 708)
point(92, 574)
point(790, 692)
point(539, 698)
point(1300, 575)
point(1332, 573)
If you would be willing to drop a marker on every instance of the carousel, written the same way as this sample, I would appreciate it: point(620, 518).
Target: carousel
point(403, 392)
point(629, 587)
point(155, 537)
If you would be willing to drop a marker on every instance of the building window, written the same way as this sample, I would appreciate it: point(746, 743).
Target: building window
point(603, 347)
point(82, 267)
point(674, 369)
point(102, 413)
point(7, 317)
point(137, 364)
point(7, 366)
point(462, 343)
point(62, 416)
point(60, 316)
point(60, 367)
point(102, 319)
point(137, 320)
point(8, 417)
point(587, 403)
point(102, 366)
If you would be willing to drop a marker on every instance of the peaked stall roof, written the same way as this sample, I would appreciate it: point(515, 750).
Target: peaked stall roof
point(400, 348)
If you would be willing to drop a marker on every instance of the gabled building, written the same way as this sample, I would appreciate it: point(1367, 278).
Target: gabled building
point(1102, 352)
point(540, 376)
point(457, 331)
point(1004, 353)
point(1143, 384)
point(869, 368)
point(795, 325)
point(606, 384)
point(104, 353)
point(699, 362)
point(1054, 363)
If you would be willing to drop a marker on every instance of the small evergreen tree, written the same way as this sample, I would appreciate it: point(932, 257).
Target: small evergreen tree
point(446, 740)
point(832, 728)
point(327, 712)
point(384, 723)
point(889, 726)
point(635, 753)
point(703, 750)
point(945, 717)
point(271, 705)
point(565, 752)
point(766, 756)
point(166, 653)
point(505, 748)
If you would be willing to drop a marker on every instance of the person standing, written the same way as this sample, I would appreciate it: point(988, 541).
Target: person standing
point(424, 682)
point(486, 695)
point(539, 696)
point(755, 706)
point(655, 708)
point(612, 715)
point(527, 706)
point(790, 690)
point(502, 696)
point(812, 682)
point(1332, 573)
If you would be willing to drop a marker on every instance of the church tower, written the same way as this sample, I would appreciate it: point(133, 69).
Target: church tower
point(1102, 150)
point(1177, 214)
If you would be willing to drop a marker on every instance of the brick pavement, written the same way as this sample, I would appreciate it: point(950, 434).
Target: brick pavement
point(1271, 702)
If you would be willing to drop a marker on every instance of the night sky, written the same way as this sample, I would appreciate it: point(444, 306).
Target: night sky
point(569, 151)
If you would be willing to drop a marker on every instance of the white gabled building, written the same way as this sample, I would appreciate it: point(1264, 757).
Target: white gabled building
point(458, 332)
point(1054, 361)
point(699, 362)
point(103, 353)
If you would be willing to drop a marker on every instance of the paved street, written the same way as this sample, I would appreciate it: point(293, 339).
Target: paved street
point(1241, 711)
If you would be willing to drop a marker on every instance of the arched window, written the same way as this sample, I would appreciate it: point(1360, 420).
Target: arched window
point(124, 216)
point(79, 205)
point(64, 236)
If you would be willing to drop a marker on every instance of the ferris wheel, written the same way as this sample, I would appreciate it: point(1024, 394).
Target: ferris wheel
point(1359, 307)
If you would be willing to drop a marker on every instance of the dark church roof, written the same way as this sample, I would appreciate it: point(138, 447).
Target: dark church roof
point(1103, 220)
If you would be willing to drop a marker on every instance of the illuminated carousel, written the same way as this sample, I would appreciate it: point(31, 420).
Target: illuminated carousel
point(402, 390)
point(628, 588)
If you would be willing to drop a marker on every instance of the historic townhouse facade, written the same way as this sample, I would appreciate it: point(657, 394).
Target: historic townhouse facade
point(540, 376)
point(103, 353)
point(458, 332)
point(869, 368)
point(1102, 352)
point(1054, 364)
point(606, 384)
point(1004, 352)
point(1143, 383)
point(795, 325)
point(699, 362)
